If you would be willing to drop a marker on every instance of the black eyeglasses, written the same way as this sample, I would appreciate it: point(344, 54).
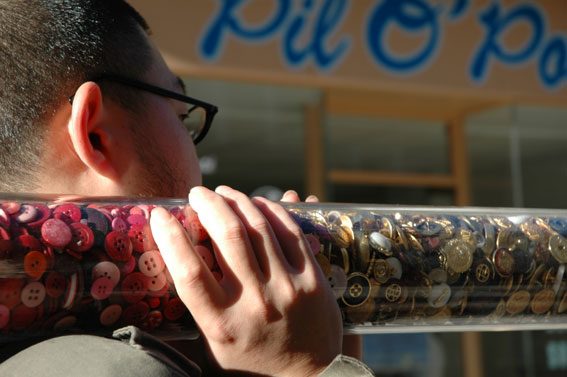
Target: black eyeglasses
point(199, 115)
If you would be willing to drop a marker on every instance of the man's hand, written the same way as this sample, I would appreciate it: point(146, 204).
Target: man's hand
point(273, 311)
point(352, 344)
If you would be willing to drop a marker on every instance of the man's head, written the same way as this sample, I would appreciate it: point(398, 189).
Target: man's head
point(103, 142)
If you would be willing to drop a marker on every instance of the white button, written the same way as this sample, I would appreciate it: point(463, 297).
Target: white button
point(439, 296)
point(33, 294)
point(396, 267)
point(151, 263)
point(107, 270)
point(338, 280)
point(155, 283)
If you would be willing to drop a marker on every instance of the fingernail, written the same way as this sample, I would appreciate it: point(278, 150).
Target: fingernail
point(222, 189)
point(312, 198)
point(290, 192)
point(161, 215)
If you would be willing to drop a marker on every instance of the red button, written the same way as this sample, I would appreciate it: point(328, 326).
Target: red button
point(128, 267)
point(70, 210)
point(174, 309)
point(118, 246)
point(35, 264)
point(11, 292)
point(26, 243)
point(82, 237)
point(134, 287)
point(4, 316)
point(110, 315)
point(6, 249)
point(5, 220)
point(153, 320)
point(56, 233)
point(4, 234)
point(101, 288)
point(55, 284)
point(11, 207)
point(44, 213)
point(142, 238)
point(23, 317)
point(153, 302)
point(134, 314)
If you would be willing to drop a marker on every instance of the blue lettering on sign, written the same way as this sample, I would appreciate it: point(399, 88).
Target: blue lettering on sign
point(306, 30)
point(411, 16)
point(496, 24)
point(552, 65)
point(228, 20)
point(330, 15)
point(459, 8)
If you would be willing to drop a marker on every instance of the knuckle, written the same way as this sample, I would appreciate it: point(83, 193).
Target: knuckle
point(234, 232)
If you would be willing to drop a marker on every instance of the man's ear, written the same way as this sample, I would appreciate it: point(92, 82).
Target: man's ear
point(89, 136)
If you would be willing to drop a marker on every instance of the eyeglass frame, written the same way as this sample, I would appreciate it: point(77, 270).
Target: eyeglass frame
point(210, 109)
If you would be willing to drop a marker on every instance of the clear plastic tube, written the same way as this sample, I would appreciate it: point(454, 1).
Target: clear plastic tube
point(71, 264)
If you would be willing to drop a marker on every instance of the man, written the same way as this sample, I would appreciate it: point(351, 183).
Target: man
point(80, 113)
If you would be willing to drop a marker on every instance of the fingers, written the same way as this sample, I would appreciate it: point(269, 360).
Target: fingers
point(291, 196)
point(227, 233)
point(287, 232)
point(195, 284)
point(264, 243)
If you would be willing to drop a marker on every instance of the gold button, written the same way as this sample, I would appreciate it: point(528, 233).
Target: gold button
point(558, 248)
point(459, 255)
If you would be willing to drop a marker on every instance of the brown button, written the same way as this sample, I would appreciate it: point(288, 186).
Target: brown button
point(503, 262)
point(518, 302)
point(358, 289)
point(542, 301)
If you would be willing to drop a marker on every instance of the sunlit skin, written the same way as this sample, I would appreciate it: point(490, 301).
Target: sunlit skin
point(273, 312)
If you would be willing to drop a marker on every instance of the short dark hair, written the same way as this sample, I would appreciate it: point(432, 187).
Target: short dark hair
point(48, 48)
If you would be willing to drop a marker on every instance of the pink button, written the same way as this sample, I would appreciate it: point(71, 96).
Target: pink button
point(4, 316)
point(56, 233)
point(151, 263)
point(33, 294)
point(136, 220)
point(110, 315)
point(207, 255)
point(119, 225)
point(101, 288)
point(155, 283)
point(107, 270)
